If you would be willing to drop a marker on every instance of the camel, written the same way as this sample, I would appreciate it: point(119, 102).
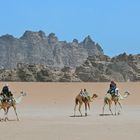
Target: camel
point(6, 105)
point(80, 100)
point(116, 99)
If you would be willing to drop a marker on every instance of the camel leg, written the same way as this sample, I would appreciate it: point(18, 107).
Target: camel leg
point(104, 107)
point(120, 105)
point(88, 105)
point(115, 107)
point(85, 109)
point(120, 108)
point(80, 104)
point(110, 108)
point(5, 114)
point(16, 113)
point(0, 118)
point(75, 109)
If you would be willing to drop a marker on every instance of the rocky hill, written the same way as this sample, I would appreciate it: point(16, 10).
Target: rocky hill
point(37, 57)
point(37, 48)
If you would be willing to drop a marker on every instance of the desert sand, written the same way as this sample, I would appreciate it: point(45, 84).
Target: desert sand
point(47, 113)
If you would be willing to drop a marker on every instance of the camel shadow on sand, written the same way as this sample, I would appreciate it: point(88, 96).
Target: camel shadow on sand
point(105, 115)
point(9, 120)
point(76, 116)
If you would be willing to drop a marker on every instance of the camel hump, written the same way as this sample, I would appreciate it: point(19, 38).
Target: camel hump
point(108, 95)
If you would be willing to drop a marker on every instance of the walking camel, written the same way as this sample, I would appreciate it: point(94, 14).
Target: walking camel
point(7, 105)
point(83, 100)
point(108, 99)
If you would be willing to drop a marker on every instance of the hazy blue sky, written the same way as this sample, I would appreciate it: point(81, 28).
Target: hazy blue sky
point(114, 24)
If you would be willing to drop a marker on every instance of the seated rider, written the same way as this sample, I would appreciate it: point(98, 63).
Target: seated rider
point(81, 93)
point(6, 93)
point(86, 95)
point(112, 88)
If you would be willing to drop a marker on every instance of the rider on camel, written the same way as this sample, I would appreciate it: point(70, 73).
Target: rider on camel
point(6, 93)
point(112, 88)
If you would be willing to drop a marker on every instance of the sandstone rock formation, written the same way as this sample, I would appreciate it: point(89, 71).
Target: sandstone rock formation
point(120, 68)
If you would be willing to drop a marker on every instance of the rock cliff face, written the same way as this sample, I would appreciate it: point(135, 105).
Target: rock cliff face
point(37, 48)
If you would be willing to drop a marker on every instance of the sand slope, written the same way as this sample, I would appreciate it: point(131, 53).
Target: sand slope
point(46, 113)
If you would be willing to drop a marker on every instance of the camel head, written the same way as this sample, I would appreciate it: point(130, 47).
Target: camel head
point(23, 93)
point(127, 93)
point(94, 96)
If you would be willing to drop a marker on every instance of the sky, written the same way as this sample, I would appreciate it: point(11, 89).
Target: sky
point(114, 24)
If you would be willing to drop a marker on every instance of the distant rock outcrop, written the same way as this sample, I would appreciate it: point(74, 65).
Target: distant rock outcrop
point(120, 68)
point(32, 72)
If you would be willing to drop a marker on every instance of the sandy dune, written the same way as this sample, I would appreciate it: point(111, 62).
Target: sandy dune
point(46, 113)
